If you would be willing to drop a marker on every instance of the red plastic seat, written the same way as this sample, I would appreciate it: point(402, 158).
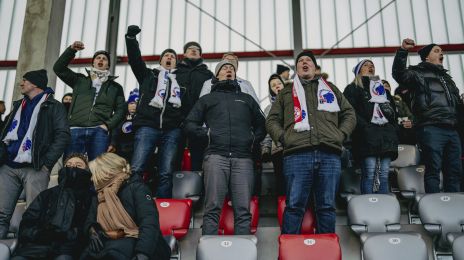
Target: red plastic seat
point(226, 221)
point(309, 221)
point(309, 246)
point(174, 216)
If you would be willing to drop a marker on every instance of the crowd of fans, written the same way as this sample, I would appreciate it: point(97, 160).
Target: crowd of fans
point(102, 209)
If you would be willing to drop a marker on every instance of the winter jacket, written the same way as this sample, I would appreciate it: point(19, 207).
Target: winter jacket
point(245, 87)
point(122, 137)
point(436, 97)
point(51, 134)
point(167, 117)
point(136, 199)
point(191, 75)
point(235, 123)
point(402, 108)
point(371, 139)
point(109, 107)
point(328, 129)
point(34, 242)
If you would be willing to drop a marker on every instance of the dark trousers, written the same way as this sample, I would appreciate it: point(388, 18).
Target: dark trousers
point(440, 150)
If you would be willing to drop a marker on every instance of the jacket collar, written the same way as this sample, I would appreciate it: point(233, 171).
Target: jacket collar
point(110, 77)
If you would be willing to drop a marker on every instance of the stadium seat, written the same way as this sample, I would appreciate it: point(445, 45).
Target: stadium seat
point(226, 220)
point(442, 215)
point(458, 248)
point(411, 187)
point(4, 252)
point(12, 237)
point(227, 248)
point(174, 216)
point(350, 182)
point(408, 155)
point(187, 185)
point(309, 247)
point(374, 213)
point(309, 221)
point(398, 246)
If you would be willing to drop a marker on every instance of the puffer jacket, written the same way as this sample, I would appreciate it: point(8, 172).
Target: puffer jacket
point(235, 123)
point(371, 139)
point(328, 129)
point(436, 97)
point(109, 107)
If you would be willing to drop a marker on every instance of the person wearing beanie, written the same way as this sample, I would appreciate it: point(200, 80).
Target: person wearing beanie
point(437, 110)
point(283, 71)
point(311, 119)
point(160, 113)
point(37, 133)
point(234, 126)
point(98, 102)
point(376, 116)
point(191, 74)
point(52, 226)
point(66, 100)
point(272, 151)
point(245, 85)
point(122, 138)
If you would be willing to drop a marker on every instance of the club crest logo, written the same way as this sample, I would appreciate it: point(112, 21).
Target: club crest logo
point(127, 127)
point(325, 96)
point(378, 90)
point(27, 145)
point(162, 93)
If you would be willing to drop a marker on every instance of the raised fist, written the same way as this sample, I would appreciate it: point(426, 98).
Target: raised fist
point(408, 44)
point(132, 30)
point(78, 46)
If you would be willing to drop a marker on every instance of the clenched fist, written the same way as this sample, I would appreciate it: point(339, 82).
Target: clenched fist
point(132, 30)
point(408, 44)
point(78, 46)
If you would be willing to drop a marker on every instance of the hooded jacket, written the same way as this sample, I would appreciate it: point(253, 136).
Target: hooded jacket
point(109, 107)
point(235, 123)
point(436, 98)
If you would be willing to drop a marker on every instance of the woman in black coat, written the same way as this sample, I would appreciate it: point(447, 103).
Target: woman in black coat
point(375, 139)
point(123, 221)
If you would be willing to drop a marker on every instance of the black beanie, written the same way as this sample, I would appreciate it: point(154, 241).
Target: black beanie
point(188, 44)
point(306, 53)
point(274, 76)
point(107, 54)
point(168, 51)
point(424, 51)
point(37, 77)
point(281, 69)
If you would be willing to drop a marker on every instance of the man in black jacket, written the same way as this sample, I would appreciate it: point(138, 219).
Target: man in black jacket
point(159, 113)
point(192, 74)
point(35, 136)
point(235, 123)
point(435, 107)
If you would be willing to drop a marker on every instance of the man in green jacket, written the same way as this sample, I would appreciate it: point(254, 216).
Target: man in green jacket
point(98, 103)
point(311, 120)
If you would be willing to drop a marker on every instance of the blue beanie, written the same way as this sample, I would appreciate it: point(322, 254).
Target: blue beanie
point(357, 68)
point(133, 96)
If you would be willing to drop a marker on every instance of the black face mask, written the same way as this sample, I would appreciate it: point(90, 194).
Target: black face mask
point(67, 106)
point(73, 177)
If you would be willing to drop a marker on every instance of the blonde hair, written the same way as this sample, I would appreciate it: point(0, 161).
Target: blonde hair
point(358, 81)
point(106, 167)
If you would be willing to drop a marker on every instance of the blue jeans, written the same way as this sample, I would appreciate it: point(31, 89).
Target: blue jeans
point(92, 141)
point(368, 168)
point(314, 171)
point(145, 141)
point(441, 147)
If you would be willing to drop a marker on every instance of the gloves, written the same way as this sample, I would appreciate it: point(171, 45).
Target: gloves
point(97, 238)
point(132, 30)
point(140, 257)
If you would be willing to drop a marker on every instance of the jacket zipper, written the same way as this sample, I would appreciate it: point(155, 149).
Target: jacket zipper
point(253, 142)
point(230, 134)
point(166, 96)
point(209, 136)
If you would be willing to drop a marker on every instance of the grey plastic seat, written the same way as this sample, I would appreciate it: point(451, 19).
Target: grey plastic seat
point(174, 246)
point(408, 155)
point(411, 181)
point(442, 215)
point(374, 213)
point(227, 248)
point(4, 252)
point(53, 181)
point(187, 185)
point(398, 246)
point(350, 182)
point(458, 248)
point(11, 241)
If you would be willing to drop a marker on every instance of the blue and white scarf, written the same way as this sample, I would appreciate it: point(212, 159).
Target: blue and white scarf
point(163, 81)
point(378, 96)
point(25, 149)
